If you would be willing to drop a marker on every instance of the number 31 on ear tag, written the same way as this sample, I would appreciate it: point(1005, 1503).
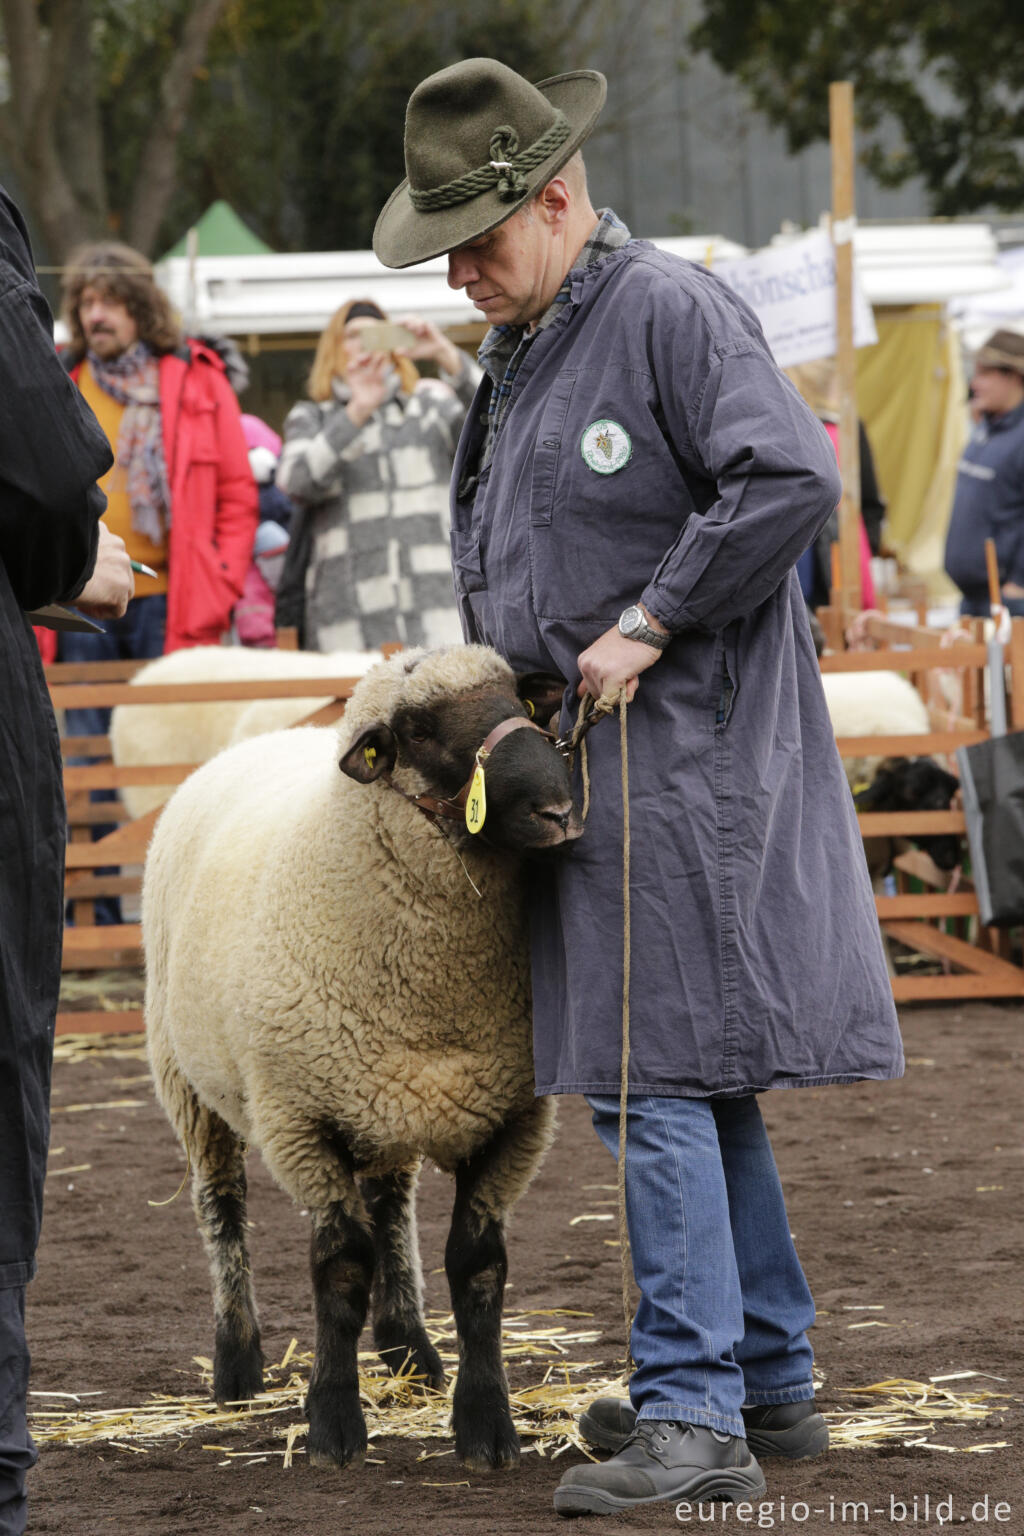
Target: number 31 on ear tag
point(476, 801)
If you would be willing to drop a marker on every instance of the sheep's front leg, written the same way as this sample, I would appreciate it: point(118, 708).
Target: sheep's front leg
point(219, 1201)
point(314, 1164)
point(341, 1259)
point(487, 1185)
point(397, 1299)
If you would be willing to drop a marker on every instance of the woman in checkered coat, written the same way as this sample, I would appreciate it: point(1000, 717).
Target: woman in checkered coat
point(367, 461)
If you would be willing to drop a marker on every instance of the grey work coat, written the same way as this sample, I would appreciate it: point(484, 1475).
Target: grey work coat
point(755, 951)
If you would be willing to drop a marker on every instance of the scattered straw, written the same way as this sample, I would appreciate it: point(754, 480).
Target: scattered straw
point(545, 1412)
point(73, 1049)
point(78, 1109)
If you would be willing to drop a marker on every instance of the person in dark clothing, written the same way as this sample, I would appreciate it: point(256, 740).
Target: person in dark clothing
point(989, 499)
point(818, 383)
point(52, 549)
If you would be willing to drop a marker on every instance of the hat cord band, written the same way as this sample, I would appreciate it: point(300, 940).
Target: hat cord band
point(505, 170)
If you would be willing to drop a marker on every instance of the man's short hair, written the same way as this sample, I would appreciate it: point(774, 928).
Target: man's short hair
point(123, 274)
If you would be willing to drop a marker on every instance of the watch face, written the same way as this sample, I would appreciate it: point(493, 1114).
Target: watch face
point(632, 619)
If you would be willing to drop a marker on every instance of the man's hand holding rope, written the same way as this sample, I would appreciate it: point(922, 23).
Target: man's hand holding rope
point(613, 661)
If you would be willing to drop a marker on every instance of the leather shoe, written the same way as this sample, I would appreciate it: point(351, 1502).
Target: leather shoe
point(794, 1430)
point(663, 1460)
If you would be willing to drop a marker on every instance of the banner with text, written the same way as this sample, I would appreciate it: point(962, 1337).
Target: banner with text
point(792, 290)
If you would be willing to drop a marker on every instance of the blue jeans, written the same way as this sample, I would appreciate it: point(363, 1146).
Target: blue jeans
point(724, 1305)
point(137, 636)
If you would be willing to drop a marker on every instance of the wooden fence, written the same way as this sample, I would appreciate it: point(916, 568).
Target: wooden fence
point(89, 946)
point(939, 923)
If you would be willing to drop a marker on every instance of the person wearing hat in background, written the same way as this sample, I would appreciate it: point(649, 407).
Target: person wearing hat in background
point(989, 499)
point(366, 461)
point(633, 487)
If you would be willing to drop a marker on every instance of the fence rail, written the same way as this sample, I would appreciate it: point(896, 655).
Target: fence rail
point(88, 945)
point(976, 959)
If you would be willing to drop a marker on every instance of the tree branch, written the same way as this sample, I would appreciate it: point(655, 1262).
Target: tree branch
point(24, 43)
point(38, 64)
point(154, 180)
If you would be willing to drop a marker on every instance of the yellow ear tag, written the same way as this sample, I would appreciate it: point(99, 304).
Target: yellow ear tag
point(370, 754)
point(476, 802)
point(530, 710)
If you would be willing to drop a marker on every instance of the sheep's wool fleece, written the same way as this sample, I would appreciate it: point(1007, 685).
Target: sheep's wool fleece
point(872, 704)
point(316, 955)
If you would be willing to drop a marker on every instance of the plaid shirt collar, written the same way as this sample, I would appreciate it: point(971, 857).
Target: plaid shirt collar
point(504, 347)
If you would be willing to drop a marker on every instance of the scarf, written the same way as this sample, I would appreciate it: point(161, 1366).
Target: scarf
point(133, 380)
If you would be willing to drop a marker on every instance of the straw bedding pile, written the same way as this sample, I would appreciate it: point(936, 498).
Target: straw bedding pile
point(546, 1413)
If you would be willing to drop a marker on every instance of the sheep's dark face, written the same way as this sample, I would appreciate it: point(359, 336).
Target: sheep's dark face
point(529, 798)
point(916, 784)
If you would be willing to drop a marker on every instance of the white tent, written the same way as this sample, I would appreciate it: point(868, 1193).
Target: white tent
point(981, 313)
point(297, 294)
point(280, 295)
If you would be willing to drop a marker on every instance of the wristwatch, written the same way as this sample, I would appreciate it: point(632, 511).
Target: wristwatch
point(634, 626)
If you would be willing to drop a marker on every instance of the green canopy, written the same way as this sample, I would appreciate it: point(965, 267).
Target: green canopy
point(222, 233)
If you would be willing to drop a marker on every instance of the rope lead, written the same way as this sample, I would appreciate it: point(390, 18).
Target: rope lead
point(625, 1254)
point(591, 710)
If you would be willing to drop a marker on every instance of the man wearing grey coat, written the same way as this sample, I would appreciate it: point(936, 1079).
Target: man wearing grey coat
point(631, 494)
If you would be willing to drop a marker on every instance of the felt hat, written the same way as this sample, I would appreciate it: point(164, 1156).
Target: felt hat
point(1003, 349)
point(479, 142)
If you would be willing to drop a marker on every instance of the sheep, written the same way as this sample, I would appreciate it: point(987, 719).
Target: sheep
point(887, 704)
point(910, 784)
point(872, 704)
point(143, 734)
point(324, 982)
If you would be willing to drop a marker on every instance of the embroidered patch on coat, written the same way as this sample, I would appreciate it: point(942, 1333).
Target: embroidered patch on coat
point(606, 447)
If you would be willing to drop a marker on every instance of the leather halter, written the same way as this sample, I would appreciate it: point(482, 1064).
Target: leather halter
point(454, 809)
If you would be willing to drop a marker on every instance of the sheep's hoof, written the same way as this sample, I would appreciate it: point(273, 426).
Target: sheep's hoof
point(332, 1459)
point(337, 1429)
point(237, 1373)
point(490, 1444)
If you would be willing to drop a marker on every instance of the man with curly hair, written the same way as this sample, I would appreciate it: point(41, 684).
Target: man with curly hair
point(181, 493)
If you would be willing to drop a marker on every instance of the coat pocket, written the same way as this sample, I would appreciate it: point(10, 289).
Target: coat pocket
point(726, 678)
point(548, 449)
point(466, 534)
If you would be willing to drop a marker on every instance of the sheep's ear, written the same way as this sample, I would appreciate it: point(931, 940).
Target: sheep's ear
point(542, 694)
point(372, 753)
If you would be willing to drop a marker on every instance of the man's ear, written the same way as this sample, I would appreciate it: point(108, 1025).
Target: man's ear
point(542, 693)
point(372, 753)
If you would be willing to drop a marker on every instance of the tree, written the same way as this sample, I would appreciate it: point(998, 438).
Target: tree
point(131, 116)
point(949, 76)
point(301, 126)
point(62, 56)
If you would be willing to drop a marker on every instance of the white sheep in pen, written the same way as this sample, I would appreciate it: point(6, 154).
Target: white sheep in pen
point(872, 704)
point(324, 982)
point(150, 734)
point(887, 704)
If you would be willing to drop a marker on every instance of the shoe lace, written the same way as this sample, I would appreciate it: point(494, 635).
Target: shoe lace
point(651, 1435)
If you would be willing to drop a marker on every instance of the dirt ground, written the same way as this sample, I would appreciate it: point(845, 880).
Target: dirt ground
point(905, 1199)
